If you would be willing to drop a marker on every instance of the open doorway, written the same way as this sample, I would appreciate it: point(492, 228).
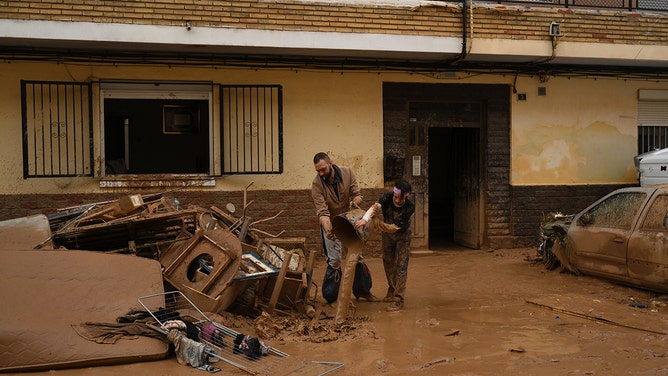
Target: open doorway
point(454, 188)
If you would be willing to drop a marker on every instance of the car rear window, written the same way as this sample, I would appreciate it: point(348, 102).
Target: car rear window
point(657, 216)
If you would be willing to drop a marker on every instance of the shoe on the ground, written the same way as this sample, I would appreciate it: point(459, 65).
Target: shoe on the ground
point(389, 298)
point(395, 306)
point(369, 297)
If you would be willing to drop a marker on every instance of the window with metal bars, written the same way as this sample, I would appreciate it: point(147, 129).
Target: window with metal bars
point(57, 129)
point(652, 120)
point(252, 129)
point(652, 138)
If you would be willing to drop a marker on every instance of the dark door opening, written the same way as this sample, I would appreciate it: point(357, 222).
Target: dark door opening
point(454, 158)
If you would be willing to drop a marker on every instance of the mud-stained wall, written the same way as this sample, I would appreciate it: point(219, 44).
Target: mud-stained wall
point(581, 132)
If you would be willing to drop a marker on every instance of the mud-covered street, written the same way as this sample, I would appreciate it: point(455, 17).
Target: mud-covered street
point(469, 312)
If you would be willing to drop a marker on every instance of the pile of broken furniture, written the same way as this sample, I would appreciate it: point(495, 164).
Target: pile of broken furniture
point(92, 262)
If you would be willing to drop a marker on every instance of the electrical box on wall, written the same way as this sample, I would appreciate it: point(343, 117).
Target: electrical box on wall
point(417, 165)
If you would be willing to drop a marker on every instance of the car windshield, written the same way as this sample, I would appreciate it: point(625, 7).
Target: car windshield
point(617, 211)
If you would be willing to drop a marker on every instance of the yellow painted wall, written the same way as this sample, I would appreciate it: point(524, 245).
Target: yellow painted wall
point(582, 132)
point(337, 113)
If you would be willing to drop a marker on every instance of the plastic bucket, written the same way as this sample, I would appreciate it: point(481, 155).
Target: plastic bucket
point(343, 227)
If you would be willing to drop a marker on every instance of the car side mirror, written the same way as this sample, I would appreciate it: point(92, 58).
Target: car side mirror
point(584, 219)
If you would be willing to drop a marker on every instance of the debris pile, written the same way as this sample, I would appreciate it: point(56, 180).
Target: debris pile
point(211, 260)
point(219, 261)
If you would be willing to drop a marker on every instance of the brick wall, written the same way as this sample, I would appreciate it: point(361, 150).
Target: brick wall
point(531, 203)
point(515, 216)
point(487, 20)
point(298, 218)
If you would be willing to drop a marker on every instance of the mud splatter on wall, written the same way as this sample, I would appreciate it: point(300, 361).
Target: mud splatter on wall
point(560, 154)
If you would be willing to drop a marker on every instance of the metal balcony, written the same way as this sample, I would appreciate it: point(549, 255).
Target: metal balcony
point(629, 5)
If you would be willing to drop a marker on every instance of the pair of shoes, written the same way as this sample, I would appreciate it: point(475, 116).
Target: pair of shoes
point(395, 306)
point(369, 297)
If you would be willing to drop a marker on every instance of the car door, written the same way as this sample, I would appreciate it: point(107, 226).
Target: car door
point(599, 235)
point(648, 246)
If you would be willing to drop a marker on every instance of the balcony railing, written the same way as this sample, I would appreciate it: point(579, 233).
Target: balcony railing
point(630, 5)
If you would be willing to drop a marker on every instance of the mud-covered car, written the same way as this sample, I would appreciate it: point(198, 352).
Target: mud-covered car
point(622, 237)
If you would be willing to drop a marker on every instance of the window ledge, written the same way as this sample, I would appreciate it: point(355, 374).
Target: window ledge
point(157, 181)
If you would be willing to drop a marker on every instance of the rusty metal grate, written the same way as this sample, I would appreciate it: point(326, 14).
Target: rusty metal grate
point(57, 129)
point(252, 129)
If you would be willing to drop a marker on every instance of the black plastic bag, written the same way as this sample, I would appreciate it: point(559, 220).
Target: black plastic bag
point(362, 283)
point(331, 283)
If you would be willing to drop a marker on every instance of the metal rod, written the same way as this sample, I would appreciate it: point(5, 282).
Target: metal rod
point(593, 318)
point(337, 364)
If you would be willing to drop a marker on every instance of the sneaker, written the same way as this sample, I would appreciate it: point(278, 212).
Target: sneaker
point(395, 306)
point(369, 297)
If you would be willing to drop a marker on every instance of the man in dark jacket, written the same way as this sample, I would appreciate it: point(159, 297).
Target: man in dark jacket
point(397, 210)
point(335, 191)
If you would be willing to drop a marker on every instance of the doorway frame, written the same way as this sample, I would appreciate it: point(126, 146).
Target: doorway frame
point(495, 190)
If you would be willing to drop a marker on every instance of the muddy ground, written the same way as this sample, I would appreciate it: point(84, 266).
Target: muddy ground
point(467, 312)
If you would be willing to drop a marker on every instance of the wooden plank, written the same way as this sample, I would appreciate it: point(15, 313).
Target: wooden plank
point(179, 259)
point(228, 252)
point(279, 283)
point(309, 275)
point(213, 278)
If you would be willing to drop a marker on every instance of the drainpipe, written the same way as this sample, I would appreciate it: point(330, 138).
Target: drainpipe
point(465, 3)
point(462, 55)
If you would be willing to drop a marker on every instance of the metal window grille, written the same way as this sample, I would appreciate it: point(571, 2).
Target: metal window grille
point(651, 138)
point(252, 129)
point(57, 129)
point(652, 120)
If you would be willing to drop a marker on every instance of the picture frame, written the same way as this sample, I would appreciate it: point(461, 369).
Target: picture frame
point(180, 119)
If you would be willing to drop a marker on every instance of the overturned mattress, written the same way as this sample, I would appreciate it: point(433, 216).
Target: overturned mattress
point(46, 293)
point(26, 232)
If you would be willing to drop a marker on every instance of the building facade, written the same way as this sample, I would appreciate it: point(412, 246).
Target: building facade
point(496, 112)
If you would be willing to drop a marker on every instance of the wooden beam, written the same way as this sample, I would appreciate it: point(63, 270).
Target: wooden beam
point(279, 283)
